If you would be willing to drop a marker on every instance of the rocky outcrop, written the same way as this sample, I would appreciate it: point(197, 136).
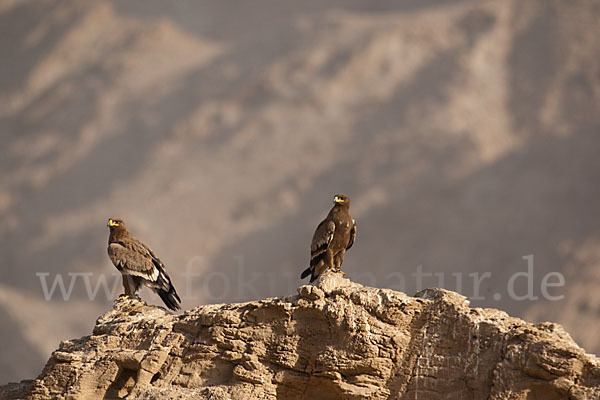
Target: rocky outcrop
point(334, 340)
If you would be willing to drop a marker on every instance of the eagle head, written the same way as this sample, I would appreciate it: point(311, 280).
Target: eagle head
point(341, 199)
point(115, 223)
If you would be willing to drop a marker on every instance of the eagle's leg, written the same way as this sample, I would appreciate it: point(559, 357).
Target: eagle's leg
point(131, 285)
point(329, 260)
point(338, 260)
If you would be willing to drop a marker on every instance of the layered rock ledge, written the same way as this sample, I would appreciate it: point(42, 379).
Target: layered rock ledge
point(334, 340)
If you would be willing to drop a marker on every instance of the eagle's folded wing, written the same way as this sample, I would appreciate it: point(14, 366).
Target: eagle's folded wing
point(352, 235)
point(322, 238)
point(133, 258)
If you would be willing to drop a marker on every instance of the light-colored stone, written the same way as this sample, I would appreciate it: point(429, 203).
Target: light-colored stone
point(337, 339)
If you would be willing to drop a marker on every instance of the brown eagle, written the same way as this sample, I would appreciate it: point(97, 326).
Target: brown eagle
point(139, 265)
point(334, 235)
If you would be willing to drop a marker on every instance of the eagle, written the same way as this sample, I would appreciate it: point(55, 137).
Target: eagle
point(334, 235)
point(139, 265)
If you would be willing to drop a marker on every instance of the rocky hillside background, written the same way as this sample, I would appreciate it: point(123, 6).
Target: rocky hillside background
point(331, 341)
point(465, 132)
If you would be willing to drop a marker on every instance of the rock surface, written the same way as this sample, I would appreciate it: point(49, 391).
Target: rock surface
point(337, 339)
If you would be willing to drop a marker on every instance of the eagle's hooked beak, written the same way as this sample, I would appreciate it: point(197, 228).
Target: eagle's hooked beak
point(337, 199)
point(112, 223)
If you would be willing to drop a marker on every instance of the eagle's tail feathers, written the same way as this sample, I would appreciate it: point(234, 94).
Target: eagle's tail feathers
point(170, 298)
point(306, 272)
